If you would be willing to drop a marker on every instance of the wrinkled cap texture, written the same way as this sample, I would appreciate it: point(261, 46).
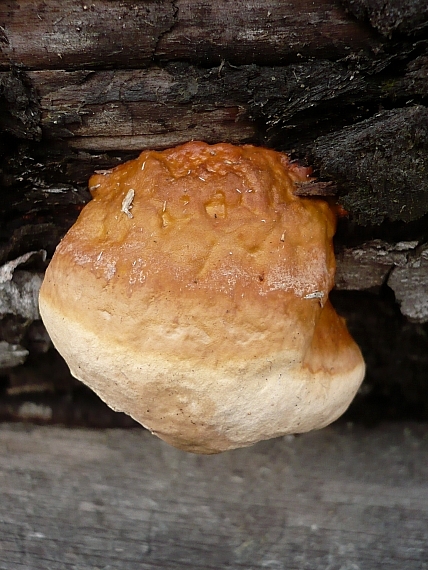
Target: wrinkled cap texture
point(192, 294)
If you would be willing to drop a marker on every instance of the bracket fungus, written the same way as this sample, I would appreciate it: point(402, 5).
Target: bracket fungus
point(192, 294)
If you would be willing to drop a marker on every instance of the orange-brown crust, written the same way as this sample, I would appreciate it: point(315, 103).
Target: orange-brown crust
point(217, 225)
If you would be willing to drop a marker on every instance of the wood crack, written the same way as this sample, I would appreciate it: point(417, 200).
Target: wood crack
point(166, 32)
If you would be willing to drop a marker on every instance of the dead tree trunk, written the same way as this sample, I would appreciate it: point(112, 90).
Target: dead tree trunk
point(340, 86)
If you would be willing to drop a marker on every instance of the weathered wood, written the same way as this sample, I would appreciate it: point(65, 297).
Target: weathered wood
point(410, 285)
point(344, 497)
point(368, 266)
point(414, 82)
point(403, 267)
point(131, 34)
point(396, 355)
point(74, 34)
point(243, 32)
point(157, 107)
point(139, 109)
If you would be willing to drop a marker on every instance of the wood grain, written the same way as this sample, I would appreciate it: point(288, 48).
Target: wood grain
point(96, 33)
point(71, 34)
point(341, 498)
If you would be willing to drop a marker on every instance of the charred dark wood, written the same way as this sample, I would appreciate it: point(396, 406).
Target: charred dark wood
point(19, 109)
point(382, 164)
point(390, 16)
point(134, 110)
point(157, 107)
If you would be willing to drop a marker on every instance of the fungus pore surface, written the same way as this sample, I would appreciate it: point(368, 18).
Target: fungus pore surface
point(192, 294)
